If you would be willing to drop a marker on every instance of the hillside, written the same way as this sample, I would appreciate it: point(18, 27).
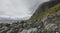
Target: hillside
point(36, 24)
point(50, 25)
point(42, 14)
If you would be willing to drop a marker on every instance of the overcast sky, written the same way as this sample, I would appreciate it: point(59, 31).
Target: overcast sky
point(18, 8)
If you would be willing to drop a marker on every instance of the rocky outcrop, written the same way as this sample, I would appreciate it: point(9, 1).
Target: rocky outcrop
point(50, 25)
point(21, 27)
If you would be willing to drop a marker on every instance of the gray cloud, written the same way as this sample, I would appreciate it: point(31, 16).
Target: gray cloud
point(18, 8)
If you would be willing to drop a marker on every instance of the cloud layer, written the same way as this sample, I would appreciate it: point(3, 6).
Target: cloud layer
point(18, 8)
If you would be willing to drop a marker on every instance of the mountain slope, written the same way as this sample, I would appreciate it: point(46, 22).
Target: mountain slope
point(42, 14)
point(49, 25)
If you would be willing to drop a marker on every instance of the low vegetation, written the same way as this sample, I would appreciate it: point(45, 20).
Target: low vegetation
point(42, 14)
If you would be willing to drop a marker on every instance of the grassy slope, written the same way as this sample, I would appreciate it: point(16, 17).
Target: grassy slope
point(51, 10)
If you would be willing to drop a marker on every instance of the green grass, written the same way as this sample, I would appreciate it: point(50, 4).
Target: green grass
point(42, 14)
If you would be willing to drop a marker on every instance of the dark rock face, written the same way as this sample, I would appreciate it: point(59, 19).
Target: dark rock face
point(47, 5)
